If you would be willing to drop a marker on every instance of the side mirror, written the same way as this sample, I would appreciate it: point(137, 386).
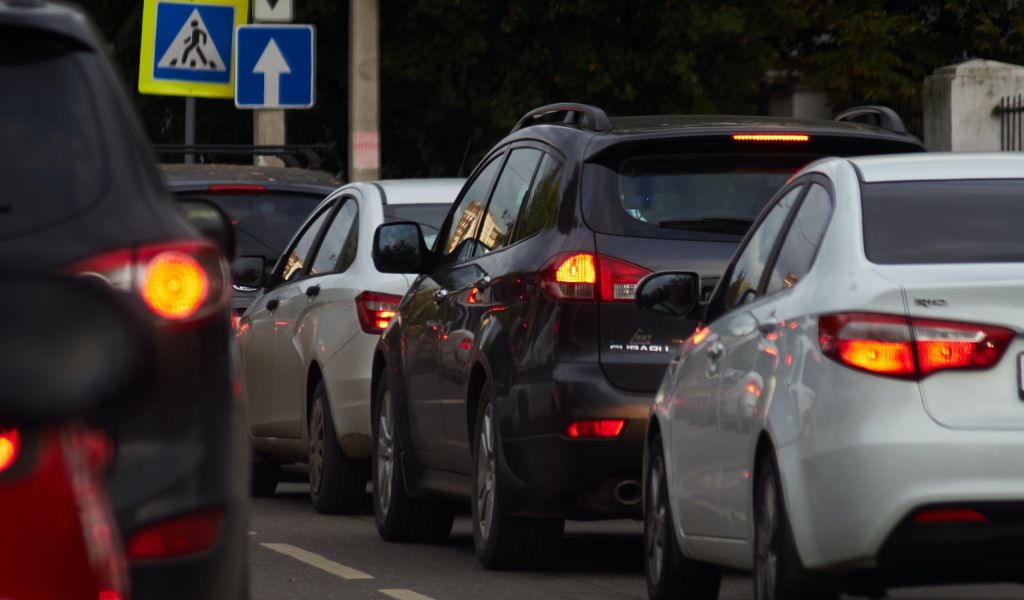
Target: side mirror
point(399, 248)
point(249, 271)
point(211, 221)
point(75, 346)
point(669, 293)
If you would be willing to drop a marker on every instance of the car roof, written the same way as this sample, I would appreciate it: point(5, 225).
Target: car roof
point(184, 177)
point(57, 18)
point(420, 191)
point(939, 166)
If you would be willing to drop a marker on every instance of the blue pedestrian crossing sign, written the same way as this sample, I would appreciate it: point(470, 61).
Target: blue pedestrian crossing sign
point(187, 47)
point(275, 66)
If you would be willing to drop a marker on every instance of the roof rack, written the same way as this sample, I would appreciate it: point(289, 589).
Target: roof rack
point(580, 115)
point(883, 116)
point(310, 156)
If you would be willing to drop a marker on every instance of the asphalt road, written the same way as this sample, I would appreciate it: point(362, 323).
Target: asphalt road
point(296, 553)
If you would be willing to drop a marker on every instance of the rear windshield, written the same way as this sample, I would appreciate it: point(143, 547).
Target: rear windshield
point(429, 216)
point(683, 196)
point(927, 222)
point(52, 163)
point(264, 223)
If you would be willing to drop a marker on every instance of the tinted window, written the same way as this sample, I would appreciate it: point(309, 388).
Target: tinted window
point(264, 223)
point(466, 218)
point(296, 260)
point(429, 216)
point(943, 221)
point(802, 240)
point(52, 161)
point(683, 197)
point(338, 248)
point(542, 206)
point(749, 266)
point(508, 196)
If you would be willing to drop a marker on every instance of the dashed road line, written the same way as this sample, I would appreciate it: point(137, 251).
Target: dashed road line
point(404, 595)
point(319, 562)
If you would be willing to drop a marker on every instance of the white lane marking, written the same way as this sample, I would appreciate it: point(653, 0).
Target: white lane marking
point(404, 595)
point(318, 561)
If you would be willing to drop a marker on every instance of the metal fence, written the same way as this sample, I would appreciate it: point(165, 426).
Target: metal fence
point(1011, 123)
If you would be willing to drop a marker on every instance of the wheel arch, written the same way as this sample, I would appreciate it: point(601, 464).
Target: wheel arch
point(479, 374)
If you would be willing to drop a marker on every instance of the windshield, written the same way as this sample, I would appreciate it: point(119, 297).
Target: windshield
point(683, 196)
point(429, 216)
point(264, 223)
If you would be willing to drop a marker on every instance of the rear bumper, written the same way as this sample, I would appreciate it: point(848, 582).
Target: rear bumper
point(550, 473)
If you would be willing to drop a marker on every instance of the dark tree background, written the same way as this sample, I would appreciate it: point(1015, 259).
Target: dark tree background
point(456, 74)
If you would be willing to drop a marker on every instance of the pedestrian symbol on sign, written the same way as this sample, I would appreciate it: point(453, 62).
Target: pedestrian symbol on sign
point(192, 48)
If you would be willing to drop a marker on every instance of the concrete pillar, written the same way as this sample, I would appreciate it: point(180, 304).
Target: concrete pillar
point(268, 129)
point(959, 102)
point(364, 91)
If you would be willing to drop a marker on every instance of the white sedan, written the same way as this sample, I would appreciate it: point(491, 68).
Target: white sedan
point(306, 343)
point(850, 418)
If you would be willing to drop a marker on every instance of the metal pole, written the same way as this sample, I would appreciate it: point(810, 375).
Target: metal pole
point(190, 128)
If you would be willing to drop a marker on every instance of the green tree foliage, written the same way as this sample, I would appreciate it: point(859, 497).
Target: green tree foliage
point(456, 74)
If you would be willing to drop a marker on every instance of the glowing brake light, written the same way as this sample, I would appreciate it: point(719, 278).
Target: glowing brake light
point(771, 137)
point(375, 310)
point(601, 428)
point(581, 276)
point(910, 348)
point(236, 189)
point(9, 446)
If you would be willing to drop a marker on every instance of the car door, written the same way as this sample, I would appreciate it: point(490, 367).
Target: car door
point(701, 423)
point(757, 338)
point(470, 298)
point(422, 321)
point(273, 320)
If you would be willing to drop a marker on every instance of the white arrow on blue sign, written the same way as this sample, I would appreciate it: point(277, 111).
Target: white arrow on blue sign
point(275, 66)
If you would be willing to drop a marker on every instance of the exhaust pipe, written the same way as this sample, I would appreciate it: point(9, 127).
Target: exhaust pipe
point(628, 492)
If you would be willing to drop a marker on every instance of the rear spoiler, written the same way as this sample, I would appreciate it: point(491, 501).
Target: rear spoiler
point(309, 156)
point(881, 116)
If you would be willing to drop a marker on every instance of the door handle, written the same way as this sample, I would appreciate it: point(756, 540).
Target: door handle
point(715, 350)
point(440, 294)
point(312, 291)
point(272, 304)
point(483, 282)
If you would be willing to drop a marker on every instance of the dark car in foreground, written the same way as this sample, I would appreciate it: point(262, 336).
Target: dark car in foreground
point(518, 371)
point(266, 205)
point(83, 196)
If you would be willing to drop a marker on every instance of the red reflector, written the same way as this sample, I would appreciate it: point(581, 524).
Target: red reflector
point(176, 537)
point(949, 516)
point(375, 310)
point(771, 137)
point(109, 595)
point(603, 428)
point(9, 445)
point(236, 189)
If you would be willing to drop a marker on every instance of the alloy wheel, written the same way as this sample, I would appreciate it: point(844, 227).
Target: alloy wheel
point(385, 453)
point(766, 555)
point(485, 480)
point(655, 529)
point(316, 445)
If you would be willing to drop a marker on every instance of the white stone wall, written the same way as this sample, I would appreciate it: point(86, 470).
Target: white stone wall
point(959, 102)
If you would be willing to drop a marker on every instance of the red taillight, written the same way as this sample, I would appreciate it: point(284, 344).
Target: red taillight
point(910, 348)
point(771, 137)
point(10, 443)
point(180, 282)
point(949, 516)
point(375, 310)
point(575, 277)
point(601, 428)
point(236, 189)
point(176, 537)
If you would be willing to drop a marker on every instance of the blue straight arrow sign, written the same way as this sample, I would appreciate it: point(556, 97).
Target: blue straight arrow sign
point(275, 66)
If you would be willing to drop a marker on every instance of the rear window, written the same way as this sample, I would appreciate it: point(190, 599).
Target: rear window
point(429, 216)
point(264, 223)
point(683, 196)
point(52, 162)
point(928, 222)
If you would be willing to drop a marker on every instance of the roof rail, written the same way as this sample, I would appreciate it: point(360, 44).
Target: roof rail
point(884, 117)
point(309, 156)
point(580, 115)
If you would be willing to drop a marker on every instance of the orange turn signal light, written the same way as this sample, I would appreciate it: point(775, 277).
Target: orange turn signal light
point(174, 285)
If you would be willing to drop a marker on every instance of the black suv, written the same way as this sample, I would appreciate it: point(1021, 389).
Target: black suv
point(82, 195)
point(518, 371)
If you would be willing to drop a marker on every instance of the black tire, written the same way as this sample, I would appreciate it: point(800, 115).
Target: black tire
point(504, 541)
point(399, 517)
point(337, 484)
point(778, 571)
point(264, 477)
point(670, 575)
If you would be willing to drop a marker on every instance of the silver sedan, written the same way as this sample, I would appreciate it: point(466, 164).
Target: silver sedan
point(850, 418)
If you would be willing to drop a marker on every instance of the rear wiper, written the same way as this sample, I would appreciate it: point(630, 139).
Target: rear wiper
point(714, 224)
